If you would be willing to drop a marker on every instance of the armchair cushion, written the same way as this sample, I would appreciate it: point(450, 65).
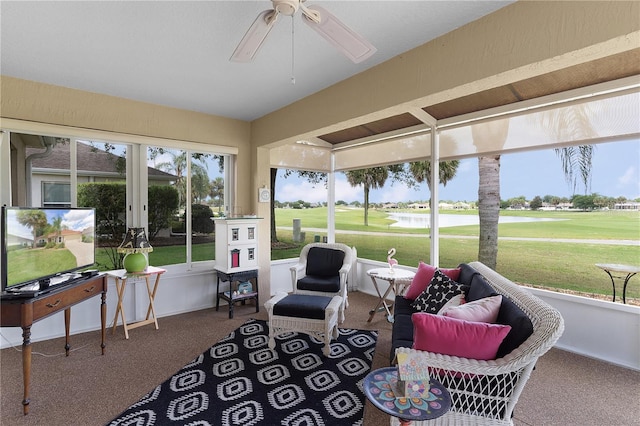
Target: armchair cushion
point(302, 306)
point(324, 262)
point(320, 283)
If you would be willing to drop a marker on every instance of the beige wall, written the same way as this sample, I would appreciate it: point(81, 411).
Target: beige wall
point(44, 103)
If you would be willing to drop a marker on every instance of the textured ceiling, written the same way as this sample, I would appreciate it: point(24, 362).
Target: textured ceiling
point(176, 53)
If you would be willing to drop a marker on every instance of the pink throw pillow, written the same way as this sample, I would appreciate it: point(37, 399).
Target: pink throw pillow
point(423, 277)
point(481, 310)
point(452, 336)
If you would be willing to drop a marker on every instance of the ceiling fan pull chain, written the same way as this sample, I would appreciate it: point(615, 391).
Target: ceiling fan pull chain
point(293, 76)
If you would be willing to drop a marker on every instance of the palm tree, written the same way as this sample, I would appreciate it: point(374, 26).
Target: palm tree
point(216, 192)
point(56, 226)
point(34, 219)
point(489, 188)
point(421, 171)
point(563, 124)
point(177, 167)
point(374, 177)
point(571, 123)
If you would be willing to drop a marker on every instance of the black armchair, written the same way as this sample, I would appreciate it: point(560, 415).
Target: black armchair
point(323, 269)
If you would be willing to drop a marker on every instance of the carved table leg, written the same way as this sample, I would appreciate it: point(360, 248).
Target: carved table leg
point(26, 366)
point(67, 322)
point(103, 319)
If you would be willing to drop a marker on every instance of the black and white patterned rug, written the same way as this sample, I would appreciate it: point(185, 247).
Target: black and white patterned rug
point(240, 381)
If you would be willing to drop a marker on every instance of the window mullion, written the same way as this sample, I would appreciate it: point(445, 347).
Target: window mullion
point(73, 171)
point(188, 202)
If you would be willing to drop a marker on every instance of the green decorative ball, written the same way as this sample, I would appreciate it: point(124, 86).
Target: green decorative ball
point(135, 262)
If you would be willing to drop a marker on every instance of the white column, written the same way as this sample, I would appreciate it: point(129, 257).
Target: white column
point(435, 184)
point(331, 202)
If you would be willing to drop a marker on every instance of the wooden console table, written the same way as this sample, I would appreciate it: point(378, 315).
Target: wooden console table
point(24, 312)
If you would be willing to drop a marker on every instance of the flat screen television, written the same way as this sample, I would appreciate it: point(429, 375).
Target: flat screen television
point(42, 245)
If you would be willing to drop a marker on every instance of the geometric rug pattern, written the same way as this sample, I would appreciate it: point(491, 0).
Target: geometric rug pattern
point(240, 381)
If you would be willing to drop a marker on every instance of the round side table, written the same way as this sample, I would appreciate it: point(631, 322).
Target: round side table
point(397, 279)
point(378, 387)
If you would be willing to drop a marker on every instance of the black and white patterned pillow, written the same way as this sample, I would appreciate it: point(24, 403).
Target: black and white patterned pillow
point(439, 291)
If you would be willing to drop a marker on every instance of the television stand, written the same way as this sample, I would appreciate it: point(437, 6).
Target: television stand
point(23, 312)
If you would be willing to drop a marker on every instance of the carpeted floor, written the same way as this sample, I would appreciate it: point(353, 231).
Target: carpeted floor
point(89, 389)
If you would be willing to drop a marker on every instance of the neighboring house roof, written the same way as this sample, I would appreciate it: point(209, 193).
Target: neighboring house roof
point(63, 233)
point(90, 161)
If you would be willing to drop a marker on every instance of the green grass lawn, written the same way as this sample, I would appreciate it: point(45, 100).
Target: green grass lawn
point(30, 264)
point(558, 265)
point(548, 264)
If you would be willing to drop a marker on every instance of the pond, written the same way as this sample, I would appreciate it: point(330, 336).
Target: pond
point(417, 220)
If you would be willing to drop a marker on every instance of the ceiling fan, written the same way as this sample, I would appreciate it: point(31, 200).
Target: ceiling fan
point(347, 41)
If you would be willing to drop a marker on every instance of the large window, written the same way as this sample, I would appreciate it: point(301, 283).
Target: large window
point(56, 194)
point(186, 193)
point(184, 190)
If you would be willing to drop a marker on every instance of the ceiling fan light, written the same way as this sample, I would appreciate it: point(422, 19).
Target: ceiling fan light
point(286, 7)
point(254, 37)
point(343, 38)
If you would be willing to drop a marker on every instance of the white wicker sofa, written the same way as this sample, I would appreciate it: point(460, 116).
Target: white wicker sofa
point(486, 392)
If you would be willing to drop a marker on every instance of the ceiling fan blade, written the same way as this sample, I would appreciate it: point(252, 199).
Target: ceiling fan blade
point(347, 41)
point(255, 36)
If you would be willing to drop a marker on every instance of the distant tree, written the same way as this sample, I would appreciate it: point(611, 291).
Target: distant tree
point(200, 186)
point(536, 203)
point(109, 200)
point(370, 178)
point(584, 202)
point(201, 219)
point(163, 205)
point(56, 227)
point(216, 192)
point(518, 201)
point(34, 219)
point(341, 203)
point(178, 167)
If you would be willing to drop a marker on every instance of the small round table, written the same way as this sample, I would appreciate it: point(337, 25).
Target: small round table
point(395, 278)
point(378, 386)
point(612, 268)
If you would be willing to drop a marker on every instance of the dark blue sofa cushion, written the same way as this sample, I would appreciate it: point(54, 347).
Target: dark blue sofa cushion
point(509, 314)
point(521, 326)
point(466, 274)
point(480, 289)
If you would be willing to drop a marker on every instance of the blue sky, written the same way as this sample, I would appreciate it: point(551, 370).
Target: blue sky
point(615, 172)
